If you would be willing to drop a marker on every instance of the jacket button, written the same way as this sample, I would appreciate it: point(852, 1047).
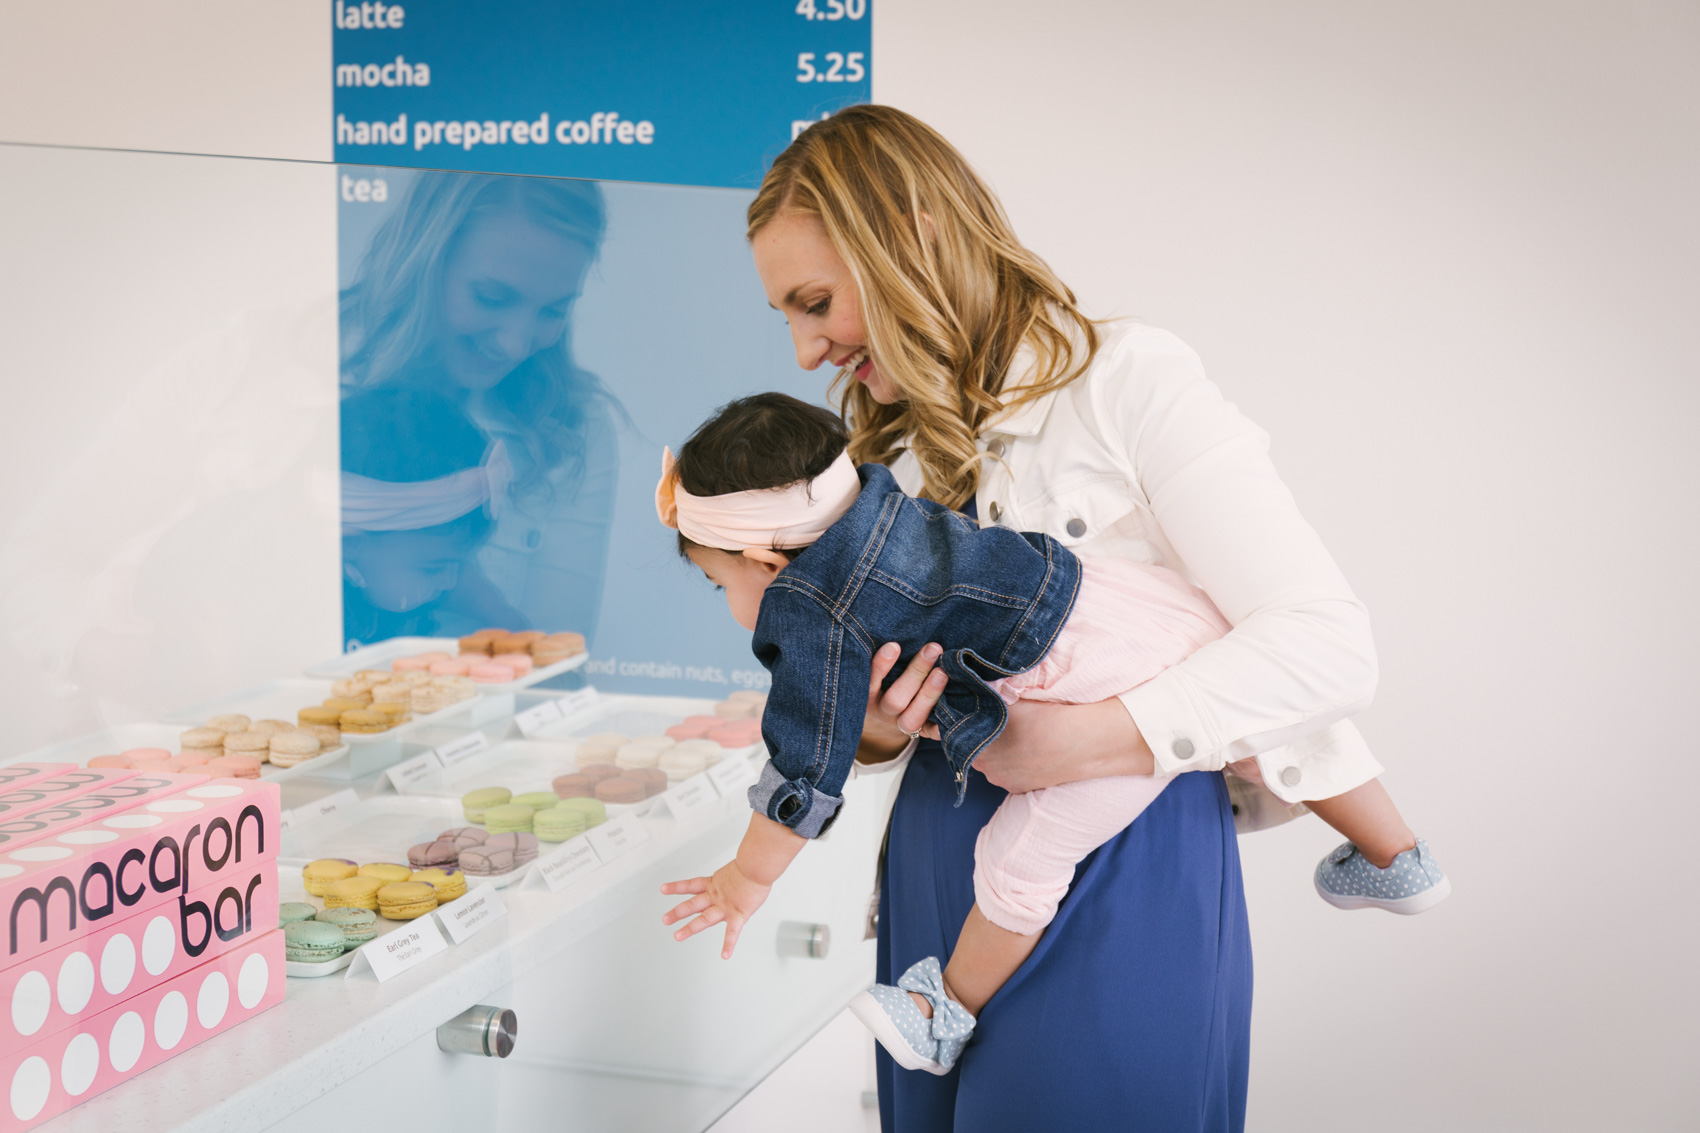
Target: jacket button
point(1182, 748)
point(1077, 527)
point(995, 511)
point(995, 448)
point(1291, 776)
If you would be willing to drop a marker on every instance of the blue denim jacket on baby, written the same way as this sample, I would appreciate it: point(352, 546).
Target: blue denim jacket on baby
point(896, 568)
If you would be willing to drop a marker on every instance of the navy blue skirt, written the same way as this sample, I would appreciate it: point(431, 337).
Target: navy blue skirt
point(1133, 1014)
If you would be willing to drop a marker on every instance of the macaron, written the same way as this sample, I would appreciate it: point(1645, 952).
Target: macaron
point(313, 942)
point(271, 727)
point(575, 786)
point(679, 765)
point(405, 664)
point(557, 824)
point(194, 759)
point(596, 772)
point(392, 692)
point(508, 818)
point(357, 925)
point(290, 748)
point(328, 735)
point(354, 892)
point(112, 762)
point(316, 716)
point(230, 722)
point(480, 642)
point(520, 663)
point(350, 687)
point(710, 751)
point(370, 677)
point(157, 765)
point(503, 853)
point(406, 900)
point(291, 911)
point(448, 881)
point(440, 852)
point(595, 811)
point(464, 836)
point(315, 876)
point(256, 744)
point(146, 753)
point(202, 739)
point(734, 710)
point(453, 667)
point(364, 722)
point(537, 800)
point(231, 767)
point(686, 731)
point(749, 696)
point(342, 704)
point(398, 711)
point(637, 754)
point(600, 748)
point(654, 779)
point(737, 733)
point(386, 872)
point(475, 803)
point(490, 673)
point(622, 789)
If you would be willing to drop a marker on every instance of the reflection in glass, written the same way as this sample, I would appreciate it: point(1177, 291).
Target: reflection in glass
point(458, 378)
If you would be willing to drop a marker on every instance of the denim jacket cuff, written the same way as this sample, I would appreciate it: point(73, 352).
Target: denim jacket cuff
point(794, 803)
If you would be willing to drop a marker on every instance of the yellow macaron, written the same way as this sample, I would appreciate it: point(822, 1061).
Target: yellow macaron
point(315, 876)
point(354, 893)
point(405, 900)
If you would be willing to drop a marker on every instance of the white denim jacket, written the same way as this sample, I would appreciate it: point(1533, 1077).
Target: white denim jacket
point(1142, 457)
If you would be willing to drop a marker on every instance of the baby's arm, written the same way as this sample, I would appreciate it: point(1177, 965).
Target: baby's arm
point(738, 888)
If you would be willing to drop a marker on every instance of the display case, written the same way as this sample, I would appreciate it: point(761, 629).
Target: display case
point(187, 547)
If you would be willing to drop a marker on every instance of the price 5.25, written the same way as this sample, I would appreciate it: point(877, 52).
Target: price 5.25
point(840, 68)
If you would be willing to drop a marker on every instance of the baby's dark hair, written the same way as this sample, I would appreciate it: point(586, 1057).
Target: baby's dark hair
point(768, 440)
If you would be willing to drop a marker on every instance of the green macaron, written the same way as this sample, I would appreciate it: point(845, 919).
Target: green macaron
point(357, 925)
point(595, 811)
point(475, 803)
point(291, 911)
point(559, 823)
point(509, 818)
point(537, 800)
point(313, 942)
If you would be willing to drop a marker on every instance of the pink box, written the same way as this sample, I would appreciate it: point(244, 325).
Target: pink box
point(110, 798)
point(73, 1065)
point(15, 775)
point(81, 979)
point(45, 792)
point(127, 863)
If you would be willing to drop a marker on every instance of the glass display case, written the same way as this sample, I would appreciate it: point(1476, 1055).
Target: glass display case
point(202, 521)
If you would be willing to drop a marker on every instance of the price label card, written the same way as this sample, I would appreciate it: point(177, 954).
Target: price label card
point(462, 749)
point(406, 776)
point(731, 776)
point(690, 796)
point(575, 857)
point(392, 954)
point(576, 701)
point(617, 835)
point(538, 717)
point(466, 916)
point(330, 804)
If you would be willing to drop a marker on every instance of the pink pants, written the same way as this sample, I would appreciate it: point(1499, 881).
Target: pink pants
point(1130, 622)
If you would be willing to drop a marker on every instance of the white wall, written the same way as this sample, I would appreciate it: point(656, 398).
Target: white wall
point(1445, 253)
point(1448, 255)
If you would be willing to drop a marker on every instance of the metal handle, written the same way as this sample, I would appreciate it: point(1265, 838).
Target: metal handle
point(810, 941)
point(490, 1031)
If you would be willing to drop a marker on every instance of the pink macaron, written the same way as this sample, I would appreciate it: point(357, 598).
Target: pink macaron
point(490, 673)
point(114, 762)
point(520, 663)
point(136, 753)
point(738, 733)
point(232, 767)
point(411, 665)
point(194, 758)
point(452, 667)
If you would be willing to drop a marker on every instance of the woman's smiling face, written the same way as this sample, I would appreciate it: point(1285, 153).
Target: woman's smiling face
point(508, 288)
point(809, 283)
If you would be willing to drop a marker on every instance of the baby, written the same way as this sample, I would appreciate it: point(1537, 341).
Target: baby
point(825, 562)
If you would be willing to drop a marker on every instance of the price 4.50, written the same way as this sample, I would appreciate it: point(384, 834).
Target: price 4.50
point(840, 68)
point(833, 9)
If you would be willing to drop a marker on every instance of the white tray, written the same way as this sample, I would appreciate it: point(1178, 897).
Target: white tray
point(302, 970)
point(379, 829)
point(282, 699)
point(125, 736)
point(629, 713)
point(386, 653)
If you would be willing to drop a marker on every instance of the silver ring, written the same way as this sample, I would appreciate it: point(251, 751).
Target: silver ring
point(915, 735)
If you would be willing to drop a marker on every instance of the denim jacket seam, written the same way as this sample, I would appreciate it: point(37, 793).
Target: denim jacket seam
point(823, 734)
point(1027, 614)
point(1074, 591)
point(871, 551)
point(955, 590)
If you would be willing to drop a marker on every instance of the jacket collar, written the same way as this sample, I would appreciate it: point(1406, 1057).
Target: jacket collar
point(831, 561)
point(1027, 419)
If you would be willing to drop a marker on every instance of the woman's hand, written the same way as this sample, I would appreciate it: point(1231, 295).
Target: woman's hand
point(901, 710)
point(1047, 744)
point(729, 896)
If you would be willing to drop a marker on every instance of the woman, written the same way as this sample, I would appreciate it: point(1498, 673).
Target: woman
point(466, 291)
point(966, 366)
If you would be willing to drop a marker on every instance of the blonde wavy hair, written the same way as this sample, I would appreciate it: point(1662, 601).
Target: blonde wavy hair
point(948, 294)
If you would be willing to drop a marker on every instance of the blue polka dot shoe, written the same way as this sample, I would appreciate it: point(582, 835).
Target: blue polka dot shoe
point(914, 1041)
point(1414, 882)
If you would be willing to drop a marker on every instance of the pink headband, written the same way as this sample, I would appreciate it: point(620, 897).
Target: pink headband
point(384, 505)
point(793, 516)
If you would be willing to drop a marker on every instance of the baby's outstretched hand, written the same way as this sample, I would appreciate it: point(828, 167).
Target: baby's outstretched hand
point(728, 896)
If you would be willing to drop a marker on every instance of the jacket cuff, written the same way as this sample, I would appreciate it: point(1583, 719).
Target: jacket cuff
point(793, 803)
point(1175, 729)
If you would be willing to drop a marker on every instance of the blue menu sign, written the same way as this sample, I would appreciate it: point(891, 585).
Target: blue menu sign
point(675, 91)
